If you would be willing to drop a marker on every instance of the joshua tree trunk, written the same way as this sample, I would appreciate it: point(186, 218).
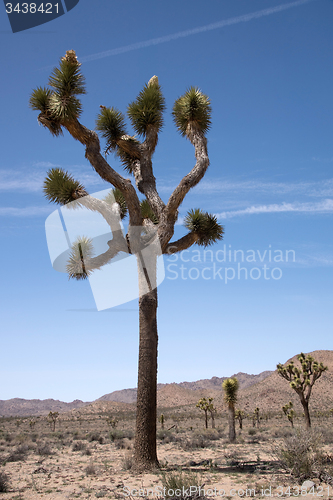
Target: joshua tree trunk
point(305, 405)
point(145, 449)
point(232, 430)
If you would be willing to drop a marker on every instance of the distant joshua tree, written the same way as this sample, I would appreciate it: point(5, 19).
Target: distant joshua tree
point(162, 420)
point(302, 379)
point(207, 406)
point(52, 418)
point(289, 412)
point(240, 415)
point(230, 387)
point(256, 417)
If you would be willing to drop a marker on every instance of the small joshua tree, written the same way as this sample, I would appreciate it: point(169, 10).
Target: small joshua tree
point(230, 387)
point(302, 379)
point(212, 410)
point(162, 420)
point(206, 406)
point(52, 418)
point(112, 421)
point(256, 417)
point(240, 415)
point(289, 412)
point(59, 109)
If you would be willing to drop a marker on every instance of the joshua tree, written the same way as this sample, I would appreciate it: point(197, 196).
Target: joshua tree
point(240, 415)
point(302, 379)
point(230, 387)
point(289, 412)
point(52, 418)
point(256, 417)
point(162, 420)
point(112, 421)
point(212, 410)
point(60, 110)
point(204, 405)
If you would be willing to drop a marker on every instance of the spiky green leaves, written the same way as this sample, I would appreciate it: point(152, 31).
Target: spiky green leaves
point(60, 187)
point(205, 226)
point(40, 101)
point(192, 109)
point(111, 123)
point(78, 263)
point(147, 109)
point(147, 212)
point(115, 195)
point(60, 104)
point(230, 387)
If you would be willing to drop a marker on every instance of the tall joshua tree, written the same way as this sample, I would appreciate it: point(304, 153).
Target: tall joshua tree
point(230, 387)
point(302, 379)
point(60, 109)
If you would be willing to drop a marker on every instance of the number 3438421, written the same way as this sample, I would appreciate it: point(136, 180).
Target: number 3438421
point(32, 8)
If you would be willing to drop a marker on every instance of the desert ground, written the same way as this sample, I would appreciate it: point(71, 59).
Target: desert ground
point(89, 455)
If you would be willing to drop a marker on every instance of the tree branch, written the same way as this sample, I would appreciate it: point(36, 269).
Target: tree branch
point(182, 244)
point(190, 180)
point(93, 153)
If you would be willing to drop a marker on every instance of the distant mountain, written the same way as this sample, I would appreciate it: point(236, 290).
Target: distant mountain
point(214, 383)
point(26, 407)
point(267, 390)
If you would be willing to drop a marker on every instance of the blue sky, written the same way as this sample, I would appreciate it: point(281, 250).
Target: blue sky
point(267, 68)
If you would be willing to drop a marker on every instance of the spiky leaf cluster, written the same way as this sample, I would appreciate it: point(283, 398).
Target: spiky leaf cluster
point(147, 109)
point(147, 212)
point(60, 104)
point(40, 101)
point(60, 187)
point(111, 123)
point(192, 108)
point(115, 195)
point(230, 387)
point(78, 262)
point(127, 159)
point(205, 226)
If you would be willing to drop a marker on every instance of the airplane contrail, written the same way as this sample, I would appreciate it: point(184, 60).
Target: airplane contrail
point(201, 29)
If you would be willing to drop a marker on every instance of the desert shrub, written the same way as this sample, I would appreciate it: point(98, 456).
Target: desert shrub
point(87, 452)
point(4, 482)
point(252, 431)
point(179, 480)
point(193, 443)
point(18, 454)
point(44, 449)
point(165, 436)
point(127, 462)
point(79, 446)
point(95, 436)
point(301, 454)
point(283, 433)
point(115, 434)
point(90, 470)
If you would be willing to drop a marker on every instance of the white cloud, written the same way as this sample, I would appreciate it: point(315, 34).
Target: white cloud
point(25, 212)
point(325, 206)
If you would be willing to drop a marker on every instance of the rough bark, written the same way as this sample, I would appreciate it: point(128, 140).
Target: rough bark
point(231, 418)
point(145, 438)
point(305, 405)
